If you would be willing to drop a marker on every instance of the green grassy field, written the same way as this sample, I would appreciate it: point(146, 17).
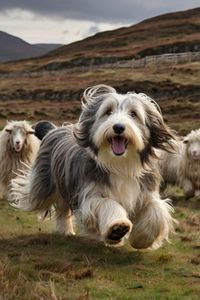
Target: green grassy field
point(35, 264)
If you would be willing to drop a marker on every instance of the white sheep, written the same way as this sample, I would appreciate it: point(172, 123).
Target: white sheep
point(183, 166)
point(18, 146)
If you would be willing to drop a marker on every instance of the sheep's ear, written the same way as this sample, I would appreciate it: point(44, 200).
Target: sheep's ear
point(31, 131)
point(8, 130)
point(185, 141)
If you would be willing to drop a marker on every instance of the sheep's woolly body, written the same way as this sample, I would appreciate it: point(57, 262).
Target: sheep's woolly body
point(10, 160)
point(169, 163)
point(180, 167)
point(190, 169)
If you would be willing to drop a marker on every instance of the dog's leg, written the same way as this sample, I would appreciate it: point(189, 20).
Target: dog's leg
point(69, 230)
point(64, 223)
point(152, 225)
point(106, 217)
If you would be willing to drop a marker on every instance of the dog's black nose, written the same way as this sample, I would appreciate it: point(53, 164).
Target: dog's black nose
point(118, 128)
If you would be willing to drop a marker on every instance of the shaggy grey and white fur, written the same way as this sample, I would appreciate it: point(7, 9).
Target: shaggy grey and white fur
point(183, 166)
point(103, 168)
point(18, 145)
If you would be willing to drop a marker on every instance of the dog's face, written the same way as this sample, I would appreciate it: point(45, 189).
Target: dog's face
point(117, 127)
point(192, 141)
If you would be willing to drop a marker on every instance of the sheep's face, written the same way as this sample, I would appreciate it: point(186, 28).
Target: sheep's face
point(193, 150)
point(18, 137)
point(192, 142)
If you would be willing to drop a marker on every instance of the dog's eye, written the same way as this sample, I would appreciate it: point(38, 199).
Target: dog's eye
point(133, 114)
point(108, 112)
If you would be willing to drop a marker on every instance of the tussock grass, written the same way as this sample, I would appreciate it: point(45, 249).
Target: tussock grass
point(35, 264)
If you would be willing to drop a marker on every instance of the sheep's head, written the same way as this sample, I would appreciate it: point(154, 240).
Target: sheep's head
point(192, 141)
point(18, 132)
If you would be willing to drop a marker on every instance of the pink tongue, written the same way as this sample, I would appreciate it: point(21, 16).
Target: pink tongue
point(118, 145)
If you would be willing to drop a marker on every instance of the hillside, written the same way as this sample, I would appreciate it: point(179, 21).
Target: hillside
point(169, 33)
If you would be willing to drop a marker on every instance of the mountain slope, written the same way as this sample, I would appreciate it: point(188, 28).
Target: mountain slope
point(179, 28)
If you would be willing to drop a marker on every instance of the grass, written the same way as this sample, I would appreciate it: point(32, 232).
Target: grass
point(35, 264)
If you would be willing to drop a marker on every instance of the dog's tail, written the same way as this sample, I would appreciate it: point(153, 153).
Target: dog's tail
point(20, 190)
point(25, 193)
point(42, 128)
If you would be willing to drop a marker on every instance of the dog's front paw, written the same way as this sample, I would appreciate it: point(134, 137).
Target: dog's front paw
point(117, 231)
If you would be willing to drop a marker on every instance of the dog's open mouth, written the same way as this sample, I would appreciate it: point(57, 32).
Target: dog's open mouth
point(118, 144)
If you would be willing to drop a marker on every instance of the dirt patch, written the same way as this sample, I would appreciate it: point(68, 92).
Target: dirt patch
point(83, 273)
point(196, 260)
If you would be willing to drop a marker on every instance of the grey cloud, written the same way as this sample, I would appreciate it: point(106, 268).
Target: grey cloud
point(111, 11)
point(93, 29)
point(90, 31)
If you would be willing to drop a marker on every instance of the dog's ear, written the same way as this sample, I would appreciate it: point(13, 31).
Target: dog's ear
point(81, 132)
point(161, 136)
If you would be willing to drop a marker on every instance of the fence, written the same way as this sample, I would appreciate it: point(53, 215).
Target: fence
point(168, 58)
point(157, 60)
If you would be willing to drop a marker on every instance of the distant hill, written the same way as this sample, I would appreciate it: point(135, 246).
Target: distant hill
point(48, 47)
point(14, 48)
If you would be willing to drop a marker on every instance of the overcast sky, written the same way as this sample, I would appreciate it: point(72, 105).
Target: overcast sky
point(65, 21)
